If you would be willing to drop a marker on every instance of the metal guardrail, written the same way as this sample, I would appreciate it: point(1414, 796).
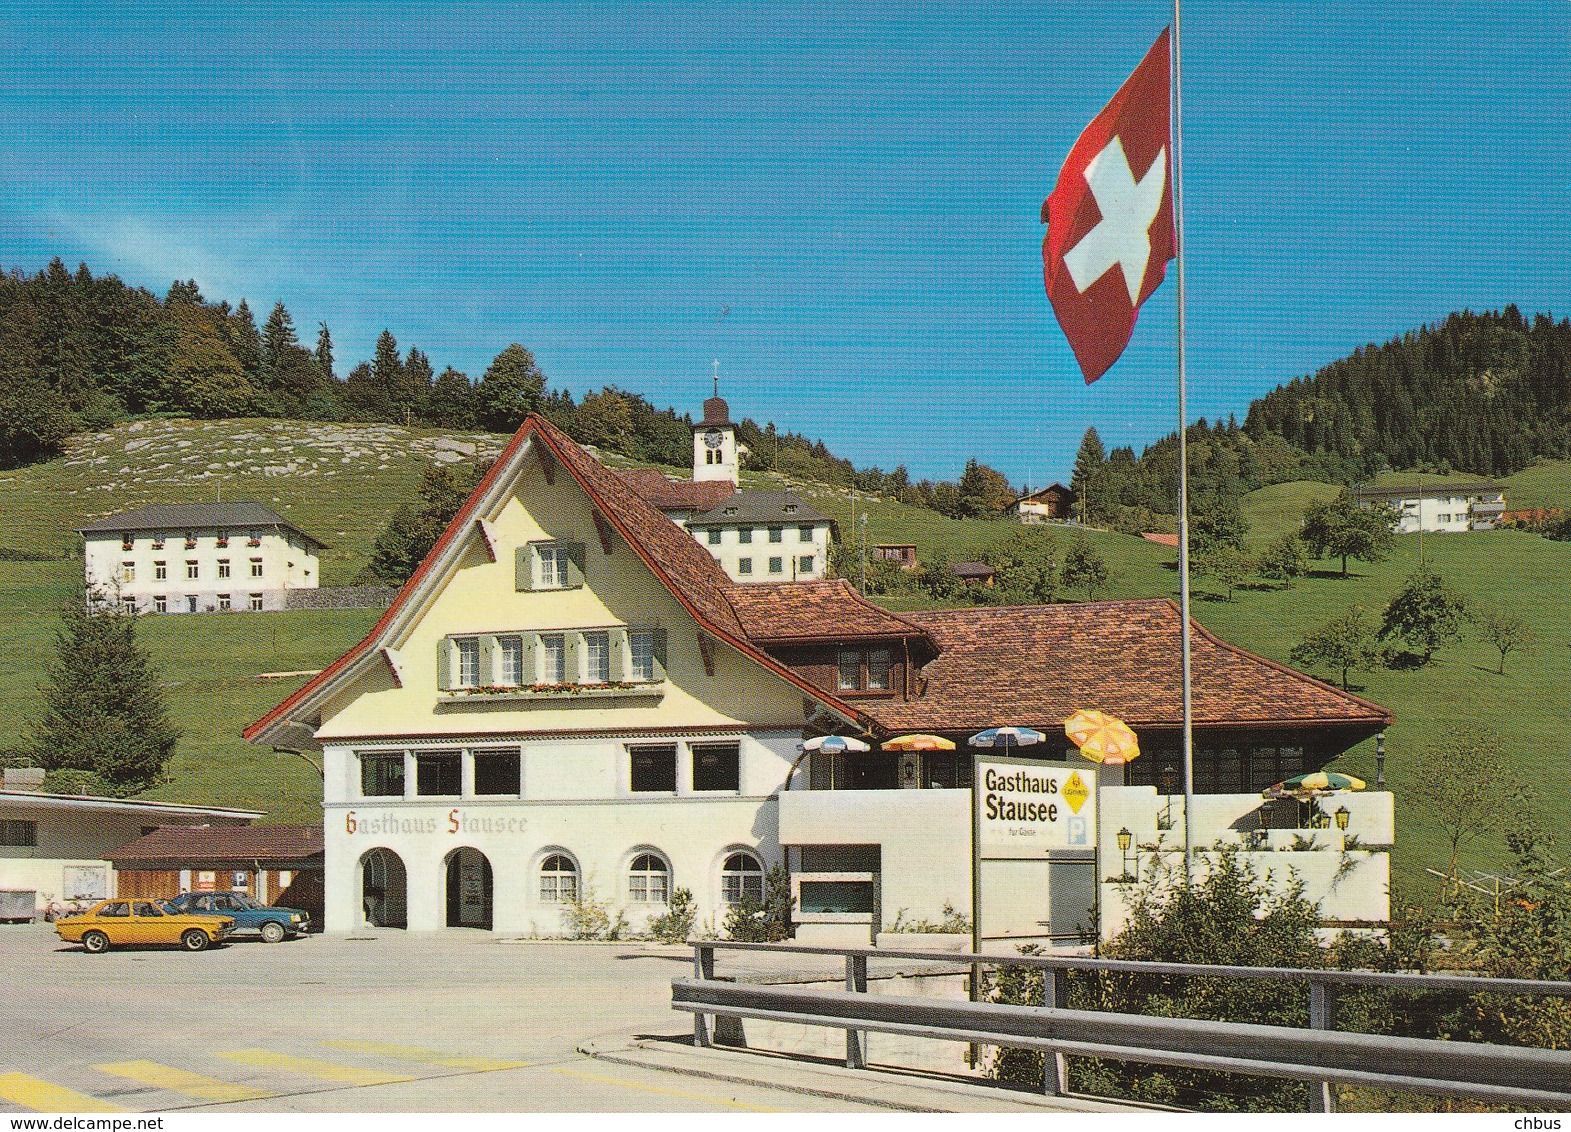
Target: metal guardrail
point(1319, 1054)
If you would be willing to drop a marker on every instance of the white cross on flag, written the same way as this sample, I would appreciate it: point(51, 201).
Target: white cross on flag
point(1110, 218)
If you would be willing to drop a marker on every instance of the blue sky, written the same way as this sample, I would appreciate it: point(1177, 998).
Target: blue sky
point(839, 202)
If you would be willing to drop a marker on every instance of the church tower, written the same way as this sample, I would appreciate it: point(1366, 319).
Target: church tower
point(716, 455)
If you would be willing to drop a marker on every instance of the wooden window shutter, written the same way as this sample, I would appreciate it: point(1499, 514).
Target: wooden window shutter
point(573, 658)
point(444, 663)
point(660, 653)
point(575, 563)
point(524, 567)
point(488, 660)
point(531, 663)
point(621, 658)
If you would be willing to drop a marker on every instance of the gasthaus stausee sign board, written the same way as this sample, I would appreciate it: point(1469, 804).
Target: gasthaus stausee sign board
point(1028, 809)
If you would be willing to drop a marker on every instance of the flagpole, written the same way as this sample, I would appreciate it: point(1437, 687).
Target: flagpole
point(1183, 447)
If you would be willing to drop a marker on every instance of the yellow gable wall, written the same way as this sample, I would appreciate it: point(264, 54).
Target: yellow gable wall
point(480, 597)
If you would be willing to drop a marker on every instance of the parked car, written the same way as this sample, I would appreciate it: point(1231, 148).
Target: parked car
point(249, 914)
point(118, 923)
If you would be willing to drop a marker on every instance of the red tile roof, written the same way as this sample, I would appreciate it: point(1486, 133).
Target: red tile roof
point(212, 843)
point(688, 571)
point(677, 495)
point(1160, 537)
point(812, 611)
point(1036, 665)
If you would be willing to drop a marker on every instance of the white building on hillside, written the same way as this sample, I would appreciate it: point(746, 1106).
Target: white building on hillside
point(199, 558)
point(756, 536)
point(1442, 507)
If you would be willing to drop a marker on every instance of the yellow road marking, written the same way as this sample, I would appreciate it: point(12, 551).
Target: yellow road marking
point(312, 1067)
point(179, 1081)
point(427, 1056)
point(41, 1096)
point(686, 1096)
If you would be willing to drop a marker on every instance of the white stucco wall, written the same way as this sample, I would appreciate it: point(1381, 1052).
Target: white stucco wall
point(288, 563)
point(791, 549)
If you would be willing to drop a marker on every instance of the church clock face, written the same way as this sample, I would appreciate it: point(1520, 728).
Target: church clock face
point(713, 438)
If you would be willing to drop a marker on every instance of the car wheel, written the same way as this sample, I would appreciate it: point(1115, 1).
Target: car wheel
point(272, 932)
point(95, 943)
point(194, 939)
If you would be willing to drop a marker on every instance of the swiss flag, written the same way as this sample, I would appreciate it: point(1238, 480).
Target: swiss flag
point(1110, 218)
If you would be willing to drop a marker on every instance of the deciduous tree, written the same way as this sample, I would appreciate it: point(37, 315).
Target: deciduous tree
point(1425, 612)
point(1284, 560)
point(1346, 642)
point(1508, 632)
point(1084, 567)
point(1224, 563)
point(1340, 528)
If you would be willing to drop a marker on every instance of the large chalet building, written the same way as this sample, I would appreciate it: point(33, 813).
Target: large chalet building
point(573, 699)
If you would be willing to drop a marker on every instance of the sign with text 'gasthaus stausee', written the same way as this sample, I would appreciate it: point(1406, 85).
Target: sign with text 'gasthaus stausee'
point(1029, 809)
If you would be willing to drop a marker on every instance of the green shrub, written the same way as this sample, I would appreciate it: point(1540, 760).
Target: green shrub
point(750, 920)
point(677, 923)
point(952, 922)
point(589, 918)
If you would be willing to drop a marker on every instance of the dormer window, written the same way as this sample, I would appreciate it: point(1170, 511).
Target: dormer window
point(790, 508)
point(729, 511)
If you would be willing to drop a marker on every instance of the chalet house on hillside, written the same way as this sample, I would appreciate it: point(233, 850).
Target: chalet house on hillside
point(1441, 508)
point(199, 558)
point(902, 554)
point(1054, 503)
point(572, 698)
point(756, 536)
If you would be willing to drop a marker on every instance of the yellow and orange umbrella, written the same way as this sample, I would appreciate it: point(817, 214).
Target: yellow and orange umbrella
point(1102, 738)
point(917, 743)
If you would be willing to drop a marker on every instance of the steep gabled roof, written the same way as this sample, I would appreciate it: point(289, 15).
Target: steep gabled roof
point(795, 612)
point(691, 574)
point(1039, 493)
point(666, 494)
point(1036, 665)
point(194, 516)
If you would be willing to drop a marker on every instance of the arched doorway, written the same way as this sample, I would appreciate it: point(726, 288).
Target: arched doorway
point(468, 889)
point(384, 889)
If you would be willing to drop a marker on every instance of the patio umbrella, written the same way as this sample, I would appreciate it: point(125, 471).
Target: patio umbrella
point(918, 743)
point(1102, 738)
point(833, 744)
point(1007, 737)
point(1313, 785)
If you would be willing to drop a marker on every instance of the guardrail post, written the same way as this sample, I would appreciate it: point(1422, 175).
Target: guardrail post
point(856, 1040)
point(703, 968)
point(1055, 993)
point(1322, 1016)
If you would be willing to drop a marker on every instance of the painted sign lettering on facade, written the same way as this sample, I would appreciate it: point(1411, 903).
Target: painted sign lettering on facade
point(454, 821)
point(1032, 809)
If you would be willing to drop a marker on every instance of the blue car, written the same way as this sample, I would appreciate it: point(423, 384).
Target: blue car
point(273, 924)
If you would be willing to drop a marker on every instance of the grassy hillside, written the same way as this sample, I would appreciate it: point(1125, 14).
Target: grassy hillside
point(1275, 510)
point(346, 479)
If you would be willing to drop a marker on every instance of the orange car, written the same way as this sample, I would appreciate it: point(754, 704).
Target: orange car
point(117, 923)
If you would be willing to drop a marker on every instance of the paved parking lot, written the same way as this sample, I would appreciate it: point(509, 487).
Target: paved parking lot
point(456, 1021)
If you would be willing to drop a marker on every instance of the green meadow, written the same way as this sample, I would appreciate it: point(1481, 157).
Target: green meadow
point(216, 668)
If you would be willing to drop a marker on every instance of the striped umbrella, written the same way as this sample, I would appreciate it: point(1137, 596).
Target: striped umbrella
point(918, 743)
point(1314, 784)
point(1008, 737)
point(833, 744)
point(1102, 738)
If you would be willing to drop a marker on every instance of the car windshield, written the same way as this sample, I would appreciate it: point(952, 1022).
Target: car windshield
point(170, 907)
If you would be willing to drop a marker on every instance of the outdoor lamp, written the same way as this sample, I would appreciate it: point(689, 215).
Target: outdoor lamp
point(1341, 817)
point(1169, 777)
point(1124, 839)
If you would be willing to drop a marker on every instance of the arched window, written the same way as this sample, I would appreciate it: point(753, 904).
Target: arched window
point(558, 879)
point(742, 877)
point(649, 880)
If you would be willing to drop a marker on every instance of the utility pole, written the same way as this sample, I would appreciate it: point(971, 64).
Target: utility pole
point(864, 551)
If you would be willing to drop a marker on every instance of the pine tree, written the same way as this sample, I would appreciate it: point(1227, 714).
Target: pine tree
point(324, 352)
point(245, 342)
point(103, 712)
point(510, 389)
point(1088, 470)
point(452, 401)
